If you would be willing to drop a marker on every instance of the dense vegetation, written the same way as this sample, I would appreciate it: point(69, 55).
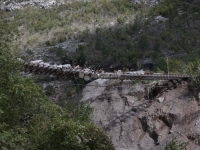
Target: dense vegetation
point(116, 33)
point(29, 120)
point(50, 26)
point(148, 38)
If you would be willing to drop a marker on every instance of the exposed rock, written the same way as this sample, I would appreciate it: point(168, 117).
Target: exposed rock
point(161, 19)
point(149, 2)
point(96, 88)
point(10, 5)
point(135, 123)
point(161, 99)
point(53, 54)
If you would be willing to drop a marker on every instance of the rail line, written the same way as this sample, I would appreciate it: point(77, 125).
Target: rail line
point(68, 72)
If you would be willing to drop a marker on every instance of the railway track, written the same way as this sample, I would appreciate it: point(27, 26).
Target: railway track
point(68, 72)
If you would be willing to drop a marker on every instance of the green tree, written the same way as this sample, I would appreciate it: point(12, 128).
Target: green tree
point(143, 42)
point(29, 120)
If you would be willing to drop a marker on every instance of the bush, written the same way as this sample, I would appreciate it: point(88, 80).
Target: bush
point(175, 145)
point(143, 42)
point(162, 64)
point(74, 136)
point(49, 90)
point(58, 51)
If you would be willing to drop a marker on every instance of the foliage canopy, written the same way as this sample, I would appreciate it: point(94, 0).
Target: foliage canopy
point(29, 120)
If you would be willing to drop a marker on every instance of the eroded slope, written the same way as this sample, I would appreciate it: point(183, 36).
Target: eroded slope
point(134, 122)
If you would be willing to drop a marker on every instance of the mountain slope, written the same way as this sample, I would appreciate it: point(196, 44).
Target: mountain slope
point(135, 122)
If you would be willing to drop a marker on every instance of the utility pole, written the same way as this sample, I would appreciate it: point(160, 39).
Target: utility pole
point(167, 65)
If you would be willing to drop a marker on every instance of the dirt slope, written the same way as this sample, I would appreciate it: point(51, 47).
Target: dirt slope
point(134, 122)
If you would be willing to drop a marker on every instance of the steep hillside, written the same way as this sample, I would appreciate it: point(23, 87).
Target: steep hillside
point(155, 35)
point(38, 26)
point(170, 29)
point(137, 120)
point(29, 120)
point(129, 35)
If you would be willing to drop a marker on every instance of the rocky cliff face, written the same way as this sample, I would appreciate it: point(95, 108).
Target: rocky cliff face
point(133, 122)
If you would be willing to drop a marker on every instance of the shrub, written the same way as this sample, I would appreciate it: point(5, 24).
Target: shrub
point(74, 136)
point(143, 43)
point(120, 20)
point(175, 145)
point(49, 90)
point(58, 51)
point(162, 64)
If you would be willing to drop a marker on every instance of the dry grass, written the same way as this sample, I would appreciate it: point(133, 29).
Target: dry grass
point(37, 26)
